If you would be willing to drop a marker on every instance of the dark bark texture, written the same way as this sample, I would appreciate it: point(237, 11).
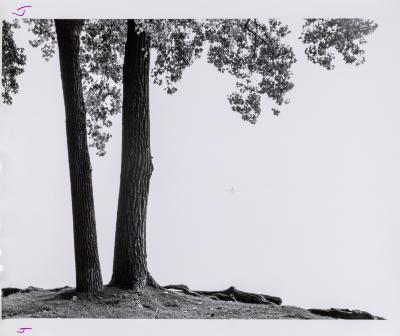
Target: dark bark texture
point(87, 265)
point(130, 265)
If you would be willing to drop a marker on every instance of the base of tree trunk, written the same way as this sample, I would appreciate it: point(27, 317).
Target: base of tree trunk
point(230, 294)
point(149, 282)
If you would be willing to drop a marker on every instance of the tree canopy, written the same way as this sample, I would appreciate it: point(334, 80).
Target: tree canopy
point(253, 51)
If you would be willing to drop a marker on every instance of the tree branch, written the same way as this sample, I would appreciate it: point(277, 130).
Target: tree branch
point(246, 26)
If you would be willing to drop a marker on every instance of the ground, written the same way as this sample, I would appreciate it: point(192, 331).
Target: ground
point(151, 303)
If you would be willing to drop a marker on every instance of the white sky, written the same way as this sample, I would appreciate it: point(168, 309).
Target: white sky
point(316, 217)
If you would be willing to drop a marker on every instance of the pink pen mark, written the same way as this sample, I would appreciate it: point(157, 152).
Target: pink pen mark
point(23, 10)
point(23, 330)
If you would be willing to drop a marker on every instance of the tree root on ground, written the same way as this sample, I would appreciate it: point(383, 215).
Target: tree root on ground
point(9, 290)
point(230, 294)
point(12, 290)
point(152, 283)
point(345, 314)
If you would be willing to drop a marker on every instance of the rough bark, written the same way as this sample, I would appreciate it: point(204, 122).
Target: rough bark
point(87, 265)
point(130, 264)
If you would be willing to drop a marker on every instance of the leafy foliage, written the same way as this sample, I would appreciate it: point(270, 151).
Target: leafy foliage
point(101, 58)
point(44, 30)
point(13, 62)
point(177, 44)
point(252, 51)
point(324, 37)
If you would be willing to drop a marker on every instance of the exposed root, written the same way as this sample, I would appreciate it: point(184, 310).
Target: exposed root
point(66, 294)
point(9, 290)
point(12, 290)
point(345, 314)
point(185, 289)
point(230, 294)
point(152, 283)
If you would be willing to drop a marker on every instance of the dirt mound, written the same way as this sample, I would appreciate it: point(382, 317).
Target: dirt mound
point(151, 303)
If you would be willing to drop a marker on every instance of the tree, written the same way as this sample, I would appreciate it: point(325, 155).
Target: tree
point(130, 269)
point(88, 274)
point(183, 44)
point(250, 50)
point(116, 53)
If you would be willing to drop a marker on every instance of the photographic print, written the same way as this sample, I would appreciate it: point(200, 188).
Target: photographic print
point(199, 168)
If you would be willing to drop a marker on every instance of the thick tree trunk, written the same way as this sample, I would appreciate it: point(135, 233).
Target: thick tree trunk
point(130, 265)
point(87, 265)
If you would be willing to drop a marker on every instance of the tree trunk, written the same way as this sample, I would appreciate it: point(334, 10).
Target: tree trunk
point(130, 265)
point(87, 265)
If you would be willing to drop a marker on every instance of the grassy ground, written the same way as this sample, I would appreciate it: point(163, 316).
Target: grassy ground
point(151, 303)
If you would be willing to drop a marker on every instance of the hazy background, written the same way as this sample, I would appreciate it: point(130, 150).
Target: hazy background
point(316, 216)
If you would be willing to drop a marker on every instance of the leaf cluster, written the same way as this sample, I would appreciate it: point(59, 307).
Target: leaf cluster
point(255, 53)
point(13, 62)
point(325, 38)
